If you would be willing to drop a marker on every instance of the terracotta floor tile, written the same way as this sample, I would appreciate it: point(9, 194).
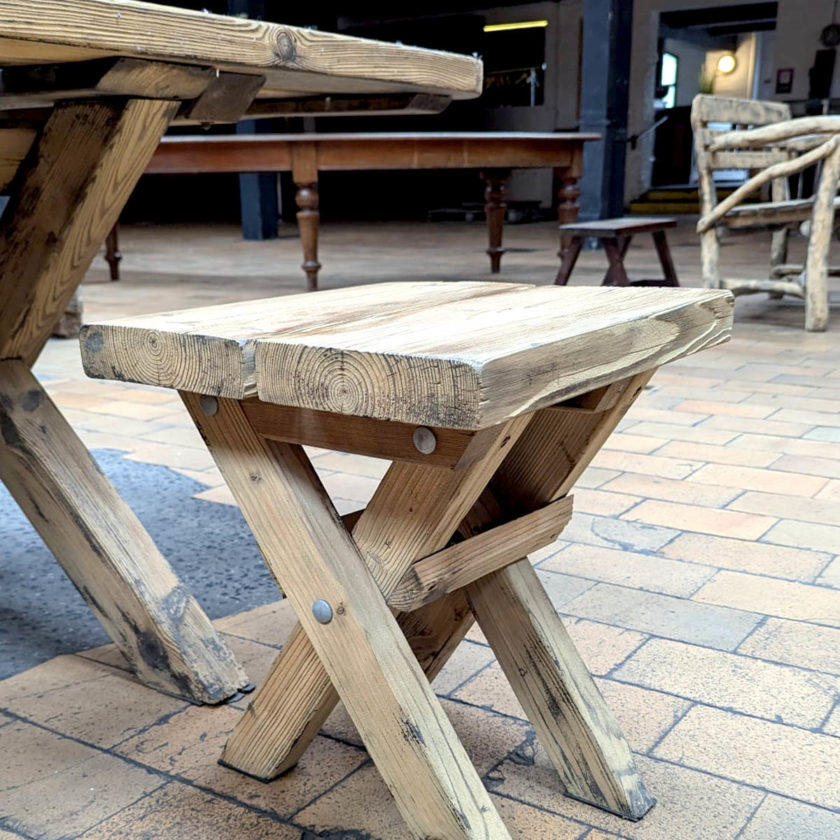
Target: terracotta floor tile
point(602, 504)
point(781, 598)
point(795, 643)
point(666, 467)
point(55, 674)
point(54, 787)
point(465, 663)
point(690, 805)
point(686, 491)
point(182, 812)
point(778, 758)
point(748, 556)
point(269, 625)
point(699, 453)
point(616, 533)
point(528, 823)
point(810, 535)
point(729, 681)
point(190, 744)
point(627, 568)
point(783, 819)
point(765, 481)
point(692, 434)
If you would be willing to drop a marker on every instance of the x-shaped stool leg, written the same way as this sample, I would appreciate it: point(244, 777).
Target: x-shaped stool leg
point(362, 650)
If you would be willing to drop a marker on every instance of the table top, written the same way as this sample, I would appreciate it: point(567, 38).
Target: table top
point(192, 154)
point(463, 355)
point(295, 61)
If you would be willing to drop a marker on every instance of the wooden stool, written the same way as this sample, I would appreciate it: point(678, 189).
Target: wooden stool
point(617, 234)
point(490, 399)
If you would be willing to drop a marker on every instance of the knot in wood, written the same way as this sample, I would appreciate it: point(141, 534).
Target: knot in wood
point(285, 49)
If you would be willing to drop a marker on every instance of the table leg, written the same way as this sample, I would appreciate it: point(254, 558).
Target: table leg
point(358, 643)
point(495, 207)
point(88, 160)
point(569, 259)
point(112, 252)
point(616, 274)
point(669, 270)
point(305, 176)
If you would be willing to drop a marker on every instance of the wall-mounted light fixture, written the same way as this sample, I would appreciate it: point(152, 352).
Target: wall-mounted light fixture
point(726, 64)
point(519, 24)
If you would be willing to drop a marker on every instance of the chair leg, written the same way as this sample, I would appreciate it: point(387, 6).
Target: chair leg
point(353, 632)
point(816, 267)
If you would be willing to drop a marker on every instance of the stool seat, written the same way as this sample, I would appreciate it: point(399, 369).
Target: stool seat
point(460, 355)
point(624, 226)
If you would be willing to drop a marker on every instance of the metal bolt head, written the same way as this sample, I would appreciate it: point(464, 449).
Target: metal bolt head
point(322, 611)
point(424, 440)
point(209, 405)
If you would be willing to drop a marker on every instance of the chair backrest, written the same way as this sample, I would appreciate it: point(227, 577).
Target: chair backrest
point(714, 115)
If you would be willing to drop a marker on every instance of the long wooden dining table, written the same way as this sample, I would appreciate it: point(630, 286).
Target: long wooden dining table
point(89, 87)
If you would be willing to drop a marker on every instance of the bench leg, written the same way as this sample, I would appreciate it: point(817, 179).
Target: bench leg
point(623, 247)
point(495, 207)
point(358, 643)
point(669, 270)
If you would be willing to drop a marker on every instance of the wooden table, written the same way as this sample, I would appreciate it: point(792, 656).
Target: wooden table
point(89, 88)
point(494, 154)
point(490, 399)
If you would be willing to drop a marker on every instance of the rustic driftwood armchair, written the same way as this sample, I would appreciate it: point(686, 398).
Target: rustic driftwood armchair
point(771, 146)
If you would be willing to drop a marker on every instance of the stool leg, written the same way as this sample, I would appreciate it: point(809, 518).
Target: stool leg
point(669, 270)
point(112, 251)
point(623, 247)
point(616, 274)
point(360, 645)
point(570, 258)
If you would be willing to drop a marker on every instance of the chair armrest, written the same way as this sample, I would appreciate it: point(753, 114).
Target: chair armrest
point(775, 133)
point(778, 170)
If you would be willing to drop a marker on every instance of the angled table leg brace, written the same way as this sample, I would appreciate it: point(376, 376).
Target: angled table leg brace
point(413, 514)
point(65, 198)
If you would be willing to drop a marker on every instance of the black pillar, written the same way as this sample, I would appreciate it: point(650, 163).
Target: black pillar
point(605, 83)
point(257, 192)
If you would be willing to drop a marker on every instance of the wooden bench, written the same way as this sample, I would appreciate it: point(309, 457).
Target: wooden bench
point(89, 88)
point(490, 399)
point(493, 154)
point(617, 234)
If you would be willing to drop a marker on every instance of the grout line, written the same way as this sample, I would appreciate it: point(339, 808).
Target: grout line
point(678, 718)
point(750, 817)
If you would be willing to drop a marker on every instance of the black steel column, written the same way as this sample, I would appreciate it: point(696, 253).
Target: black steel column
point(605, 83)
point(257, 192)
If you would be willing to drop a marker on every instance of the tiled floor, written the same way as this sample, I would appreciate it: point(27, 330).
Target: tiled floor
point(700, 579)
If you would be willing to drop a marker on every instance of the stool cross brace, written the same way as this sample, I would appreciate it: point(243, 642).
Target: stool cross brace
point(347, 579)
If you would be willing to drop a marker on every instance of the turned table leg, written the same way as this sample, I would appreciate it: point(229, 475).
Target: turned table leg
point(305, 176)
point(112, 251)
point(568, 207)
point(495, 207)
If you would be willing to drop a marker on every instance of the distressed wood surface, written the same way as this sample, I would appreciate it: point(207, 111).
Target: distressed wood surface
point(413, 513)
point(15, 143)
point(68, 196)
point(409, 737)
point(466, 364)
point(477, 556)
point(211, 349)
point(159, 627)
point(453, 448)
point(293, 59)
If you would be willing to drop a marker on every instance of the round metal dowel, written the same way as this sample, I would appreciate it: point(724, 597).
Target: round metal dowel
point(424, 440)
point(209, 405)
point(322, 611)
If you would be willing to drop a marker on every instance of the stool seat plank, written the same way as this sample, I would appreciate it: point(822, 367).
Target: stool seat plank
point(625, 226)
point(415, 353)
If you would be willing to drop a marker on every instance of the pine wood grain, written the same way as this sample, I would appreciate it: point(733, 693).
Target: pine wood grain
point(159, 627)
point(292, 58)
point(70, 194)
point(413, 513)
point(410, 356)
point(15, 143)
point(211, 349)
point(362, 649)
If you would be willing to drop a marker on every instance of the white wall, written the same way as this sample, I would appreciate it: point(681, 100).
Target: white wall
point(691, 60)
